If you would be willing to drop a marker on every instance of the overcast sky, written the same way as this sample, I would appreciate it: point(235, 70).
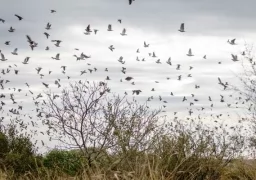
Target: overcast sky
point(208, 26)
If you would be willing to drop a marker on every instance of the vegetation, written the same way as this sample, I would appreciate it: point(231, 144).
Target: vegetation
point(111, 137)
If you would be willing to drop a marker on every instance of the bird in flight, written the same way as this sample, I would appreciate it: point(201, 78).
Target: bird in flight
point(26, 60)
point(53, 11)
point(11, 29)
point(3, 58)
point(2, 20)
point(190, 52)
point(15, 51)
point(130, 1)
point(19, 17)
point(123, 32)
point(182, 28)
point(234, 57)
point(57, 57)
point(232, 42)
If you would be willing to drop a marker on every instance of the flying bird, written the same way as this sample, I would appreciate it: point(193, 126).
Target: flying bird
point(15, 51)
point(234, 58)
point(26, 60)
point(19, 17)
point(190, 52)
point(57, 57)
point(182, 28)
point(11, 29)
point(123, 33)
point(232, 42)
point(3, 58)
point(2, 20)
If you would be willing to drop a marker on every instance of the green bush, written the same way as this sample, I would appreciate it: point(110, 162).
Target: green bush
point(69, 162)
point(17, 152)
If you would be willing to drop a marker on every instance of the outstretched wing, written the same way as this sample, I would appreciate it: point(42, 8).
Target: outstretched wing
point(2, 56)
point(233, 41)
point(182, 26)
point(29, 39)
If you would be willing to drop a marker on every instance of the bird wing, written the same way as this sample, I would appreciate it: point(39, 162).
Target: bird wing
point(233, 40)
point(58, 56)
point(124, 31)
point(189, 51)
point(109, 26)
point(182, 26)
point(233, 56)
point(29, 39)
point(15, 50)
point(18, 16)
point(2, 56)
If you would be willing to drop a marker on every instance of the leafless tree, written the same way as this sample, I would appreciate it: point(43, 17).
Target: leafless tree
point(88, 117)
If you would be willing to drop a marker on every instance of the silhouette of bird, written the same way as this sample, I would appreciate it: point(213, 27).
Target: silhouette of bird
point(57, 57)
point(11, 29)
point(110, 27)
point(182, 28)
point(190, 52)
point(111, 47)
point(53, 11)
point(48, 26)
point(47, 35)
point(2, 20)
point(232, 42)
point(26, 60)
point(3, 58)
point(234, 58)
point(130, 1)
point(19, 17)
point(128, 78)
point(15, 51)
point(123, 33)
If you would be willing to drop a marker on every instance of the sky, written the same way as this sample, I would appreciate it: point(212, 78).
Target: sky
point(208, 26)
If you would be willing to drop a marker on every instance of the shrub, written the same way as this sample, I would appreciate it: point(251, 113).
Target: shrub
point(69, 162)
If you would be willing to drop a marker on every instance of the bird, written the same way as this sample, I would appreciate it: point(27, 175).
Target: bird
point(53, 11)
point(128, 78)
point(130, 1)
point(2, 20)
point(11, 29)
point(19, 17)
point(57, 57)
point(111, 47)
point(146, 45)
point(26, 60)
point(88, 29)
point(119, 20)
point(15, 51)
point(46, 85)
point(7, 43)
point(110, 27)
point(137, 92)
point(190, 52)
point(232, 42)
point(95, 31)
point(48, 26)
point(3, 58)
point(47, 35)
point(123, 33)
point(204, 57)
point(182, 28)
point(234, 58)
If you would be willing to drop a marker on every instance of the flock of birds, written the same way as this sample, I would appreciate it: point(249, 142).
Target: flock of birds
point(17, 108)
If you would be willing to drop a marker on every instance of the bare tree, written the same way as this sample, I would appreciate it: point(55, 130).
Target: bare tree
point(87, 116)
